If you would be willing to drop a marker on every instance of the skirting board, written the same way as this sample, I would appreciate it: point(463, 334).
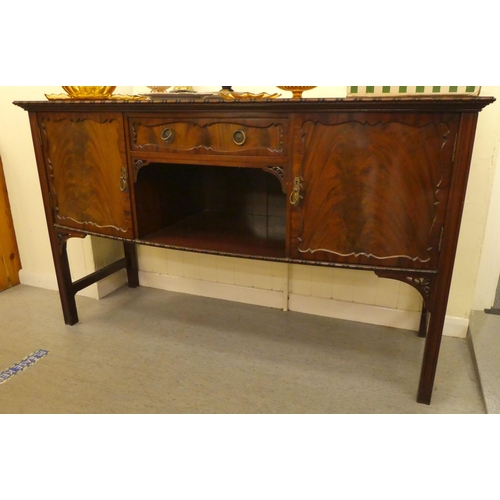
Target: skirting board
point(97, 291)
point(234, 293)
point(349, 311)
point(38, 280)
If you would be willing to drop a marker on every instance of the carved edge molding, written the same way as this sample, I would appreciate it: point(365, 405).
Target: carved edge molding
point(63, 237)
point(373, 124)
point(89, 223)
point(363, 254)
point(279, 173)
point(138, 164)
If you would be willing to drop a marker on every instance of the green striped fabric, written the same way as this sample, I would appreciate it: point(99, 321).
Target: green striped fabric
point(406, 90)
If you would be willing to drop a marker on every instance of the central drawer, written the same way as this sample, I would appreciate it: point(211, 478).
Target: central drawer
point(248, 137)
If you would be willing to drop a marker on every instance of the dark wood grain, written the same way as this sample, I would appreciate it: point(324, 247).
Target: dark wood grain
point(85, 155)
point(379, 185)
point(441, 290)
point(263, 137)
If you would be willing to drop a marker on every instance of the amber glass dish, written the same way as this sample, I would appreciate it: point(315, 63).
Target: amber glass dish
point(296, 90)
point(89, 92)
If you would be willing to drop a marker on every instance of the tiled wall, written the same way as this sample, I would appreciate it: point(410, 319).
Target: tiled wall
point(228, 276)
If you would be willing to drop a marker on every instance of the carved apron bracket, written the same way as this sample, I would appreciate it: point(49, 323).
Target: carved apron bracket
point(138, 164)
point(425, 285)
point(279, 173)
point(63, 237)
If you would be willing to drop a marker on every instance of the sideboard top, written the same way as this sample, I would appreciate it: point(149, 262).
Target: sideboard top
point(428, 103)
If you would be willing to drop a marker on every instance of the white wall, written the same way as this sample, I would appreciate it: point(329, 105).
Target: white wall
point(477, 265)
point(355, 295)
point(489, 266)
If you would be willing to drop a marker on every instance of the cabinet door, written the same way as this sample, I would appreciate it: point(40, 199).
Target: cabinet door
point(86, 169)
point(372, 188)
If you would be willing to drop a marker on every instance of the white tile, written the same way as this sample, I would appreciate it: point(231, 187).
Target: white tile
point(365, 287)
point(343, 284)
point(387, 293)
point(191, 263)
point(175, 264)
point(409, 299)
point(321, 282)
point(208, 267)
point(152, 259)
point(280, 277)
point(225, 270)
point(300, 280)
point(262, 274)
point(243, 272)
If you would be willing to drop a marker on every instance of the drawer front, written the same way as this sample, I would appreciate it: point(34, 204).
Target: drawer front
point(254, 137)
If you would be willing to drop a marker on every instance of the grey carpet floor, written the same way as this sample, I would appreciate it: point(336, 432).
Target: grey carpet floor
point(150, 351)
point(496, 305)
point(495, 308)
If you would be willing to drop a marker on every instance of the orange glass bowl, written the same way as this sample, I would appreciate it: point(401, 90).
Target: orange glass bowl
point(296, 90)
point(89, 92)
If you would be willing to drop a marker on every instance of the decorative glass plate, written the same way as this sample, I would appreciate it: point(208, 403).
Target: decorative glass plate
point(231, 96)
point(114, 97)
point(162, 96)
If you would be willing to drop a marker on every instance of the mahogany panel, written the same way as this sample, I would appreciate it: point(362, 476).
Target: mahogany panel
point(380, 187)
point(87, 173)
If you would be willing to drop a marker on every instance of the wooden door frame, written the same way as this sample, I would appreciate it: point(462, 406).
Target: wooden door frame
point(10, 262)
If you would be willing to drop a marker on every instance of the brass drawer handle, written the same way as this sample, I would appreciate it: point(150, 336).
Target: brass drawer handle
point(168, 136)
point(239, 137)
point(295, 197)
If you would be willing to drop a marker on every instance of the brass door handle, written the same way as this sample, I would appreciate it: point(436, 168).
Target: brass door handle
point(295, 197)
point(124, 180)
point(168, 136)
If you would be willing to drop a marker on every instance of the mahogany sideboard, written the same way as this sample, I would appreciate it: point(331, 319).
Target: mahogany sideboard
point(372, 183)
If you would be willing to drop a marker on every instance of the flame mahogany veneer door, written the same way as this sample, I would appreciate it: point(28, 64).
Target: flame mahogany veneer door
point(86, 167)
point(374, 188)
